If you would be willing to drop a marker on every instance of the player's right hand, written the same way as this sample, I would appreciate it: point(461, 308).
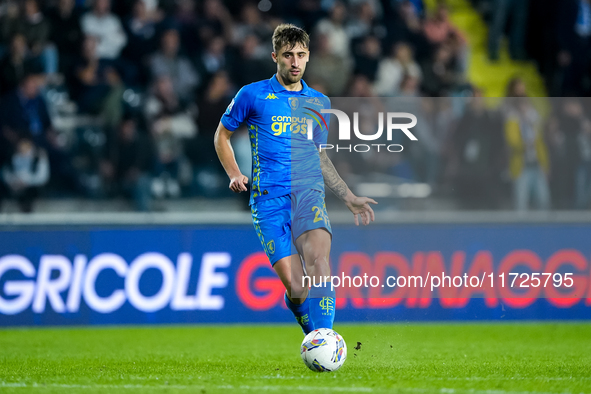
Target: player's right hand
point(238, 184)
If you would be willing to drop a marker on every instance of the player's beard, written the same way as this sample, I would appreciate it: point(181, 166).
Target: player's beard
point(291, 79)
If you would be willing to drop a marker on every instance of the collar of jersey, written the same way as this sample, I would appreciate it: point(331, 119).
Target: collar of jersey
point(277, 87)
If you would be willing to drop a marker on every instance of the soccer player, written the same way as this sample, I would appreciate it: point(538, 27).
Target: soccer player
point(288, 177)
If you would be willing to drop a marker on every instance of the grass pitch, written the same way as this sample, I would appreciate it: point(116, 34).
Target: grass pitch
point(417, 358)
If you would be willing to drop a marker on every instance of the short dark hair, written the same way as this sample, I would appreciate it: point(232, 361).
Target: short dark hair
point(289, 35)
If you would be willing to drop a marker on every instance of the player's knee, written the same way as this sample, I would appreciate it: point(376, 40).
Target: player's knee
point(288, 284)
point(317, 257)
point(297, 289)
point(317, 261)
point(294, 283)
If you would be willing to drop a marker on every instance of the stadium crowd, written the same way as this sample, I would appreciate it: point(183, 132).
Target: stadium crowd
point(102, 99)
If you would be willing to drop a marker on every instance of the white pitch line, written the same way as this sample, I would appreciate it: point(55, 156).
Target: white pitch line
point(471, 378)
point(269, 388)
point(474, 391)
point(185, 387)
point(478, 378)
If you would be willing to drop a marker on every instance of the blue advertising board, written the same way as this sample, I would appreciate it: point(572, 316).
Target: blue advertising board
point(218, 274)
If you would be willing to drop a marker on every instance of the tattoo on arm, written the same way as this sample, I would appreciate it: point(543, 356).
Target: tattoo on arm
point(331, 177)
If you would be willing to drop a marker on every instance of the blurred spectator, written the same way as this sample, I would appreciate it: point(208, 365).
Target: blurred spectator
point(568, 139)
point(503, 10)
point(583, 182)
point(306, 12)
point(359, 86)
point(128, 163)
point(363, 22)
point(216, 22)
point(141, 30)
point(24, 18)
point(417, 6)
point(251, 23)
point(409, 87)
point(459, 49)
point(327, 67)
point(441, 32)
point(254, 62)
point(334, 28)
point(8, 22)
point(516, 88)
point(213, 59)
point(318, 86)
point(574, 45)
point(185, 17)
point(443, 119)
point(26, 173)
point(36, 29)
point(152, 8)
point(375, 6)
point(442, 74)
point(477, 156)
point(367, 57)
point(23, 112)
point(168, 61)
point(107, 29)
point(169, 7)
point(410, 29)
point(66, 33)
point(215, 100)
point(438, 28)
point(16, 64)
point(528, 154)
point(97, 86)
point(425, 155)
point(391, 70)
point(170, 122)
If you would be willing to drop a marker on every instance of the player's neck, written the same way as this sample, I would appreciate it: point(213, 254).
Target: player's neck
point(294, 87)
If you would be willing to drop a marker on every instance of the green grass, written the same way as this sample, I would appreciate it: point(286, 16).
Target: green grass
point(417, 358)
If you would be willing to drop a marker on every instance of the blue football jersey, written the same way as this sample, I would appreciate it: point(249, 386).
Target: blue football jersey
point(285, 155)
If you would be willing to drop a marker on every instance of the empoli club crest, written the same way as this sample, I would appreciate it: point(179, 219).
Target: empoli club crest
point(271, 247)
point(327, 305)
point(294, 103)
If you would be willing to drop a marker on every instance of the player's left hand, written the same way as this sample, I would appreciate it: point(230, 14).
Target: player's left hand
point(359, 206)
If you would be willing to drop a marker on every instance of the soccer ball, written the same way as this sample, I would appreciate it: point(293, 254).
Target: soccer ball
point(323, 350)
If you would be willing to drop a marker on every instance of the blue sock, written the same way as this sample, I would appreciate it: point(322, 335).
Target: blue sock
point(301, 313)
point(322, 306)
